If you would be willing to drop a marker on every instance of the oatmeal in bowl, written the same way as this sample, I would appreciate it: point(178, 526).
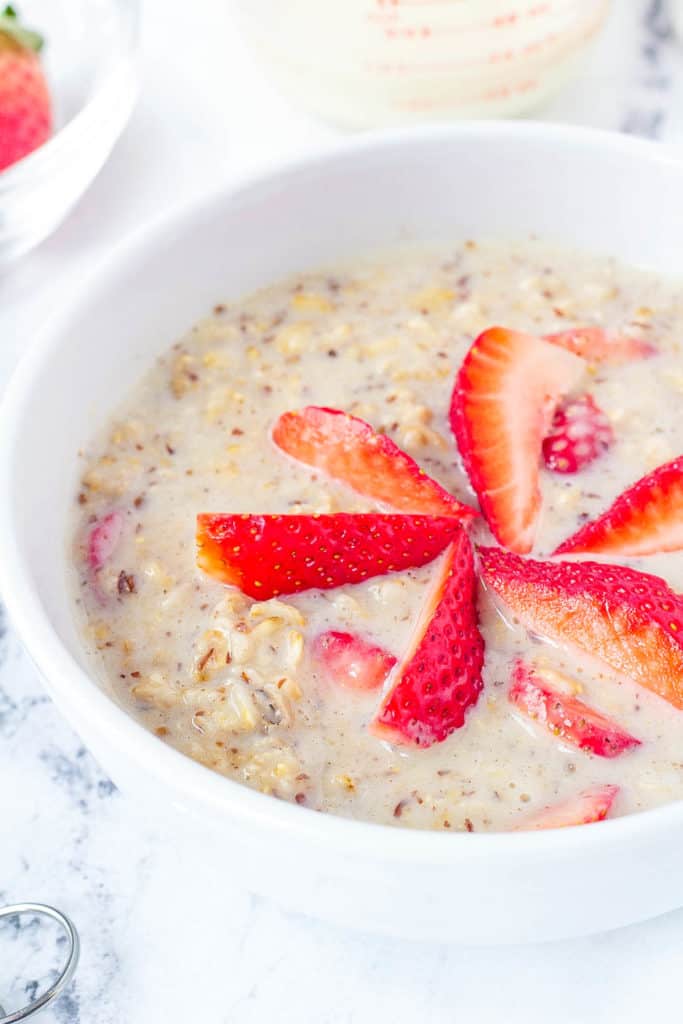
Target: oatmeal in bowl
point(401, 540)
point(369, 724)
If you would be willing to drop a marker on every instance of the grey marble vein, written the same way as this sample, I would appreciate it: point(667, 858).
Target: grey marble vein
point(654, 73)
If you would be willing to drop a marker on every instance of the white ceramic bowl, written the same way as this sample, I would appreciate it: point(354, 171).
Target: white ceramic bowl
point(603, 193)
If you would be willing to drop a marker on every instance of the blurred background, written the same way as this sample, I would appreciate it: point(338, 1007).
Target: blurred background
point(228, 85)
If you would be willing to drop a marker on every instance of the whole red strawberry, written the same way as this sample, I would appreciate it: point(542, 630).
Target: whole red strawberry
point(25, 108)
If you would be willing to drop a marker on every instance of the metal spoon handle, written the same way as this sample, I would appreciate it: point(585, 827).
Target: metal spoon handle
point(43, 910)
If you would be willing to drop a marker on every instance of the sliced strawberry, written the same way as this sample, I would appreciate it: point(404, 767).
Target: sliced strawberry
point(104, 538)
point(566, 717)
point(352, 662)
point(580, 433)
point(505, 394)
point(631, 621)
point(349, 450)
point(644, 520)
point(589, 806)
point(439, 677)
point(600, 346)
point(269, 555)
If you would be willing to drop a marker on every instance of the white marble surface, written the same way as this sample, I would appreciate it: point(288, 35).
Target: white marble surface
point(151, 951)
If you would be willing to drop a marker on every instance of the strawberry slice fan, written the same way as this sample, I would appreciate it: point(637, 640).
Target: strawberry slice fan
point(266, 556)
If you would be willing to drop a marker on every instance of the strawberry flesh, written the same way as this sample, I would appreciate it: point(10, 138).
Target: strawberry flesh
point(439, 677)
point(503, 402)
point(564, 716)
point(631, 621)
point(580, 433)
point(269, 555)
point(644, 520)
point(348, 449)
point(103, 539)
point(600, 346)
point(351, 662)
point(591, 805)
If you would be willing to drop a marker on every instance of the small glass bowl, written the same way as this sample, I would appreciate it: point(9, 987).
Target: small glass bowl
point(90, 63)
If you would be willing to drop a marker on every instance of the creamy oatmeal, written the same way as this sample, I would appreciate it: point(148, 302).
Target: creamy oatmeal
point(237, 682)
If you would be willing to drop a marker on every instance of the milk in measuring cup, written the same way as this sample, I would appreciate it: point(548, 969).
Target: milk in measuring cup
point(364, 63)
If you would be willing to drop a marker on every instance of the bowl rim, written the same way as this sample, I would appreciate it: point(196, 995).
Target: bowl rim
point(184, 778)
point(38, 161)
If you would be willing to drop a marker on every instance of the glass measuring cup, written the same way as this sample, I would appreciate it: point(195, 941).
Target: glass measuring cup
point(365, 63)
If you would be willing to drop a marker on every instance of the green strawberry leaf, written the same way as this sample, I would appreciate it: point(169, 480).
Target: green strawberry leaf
point(12, 27)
